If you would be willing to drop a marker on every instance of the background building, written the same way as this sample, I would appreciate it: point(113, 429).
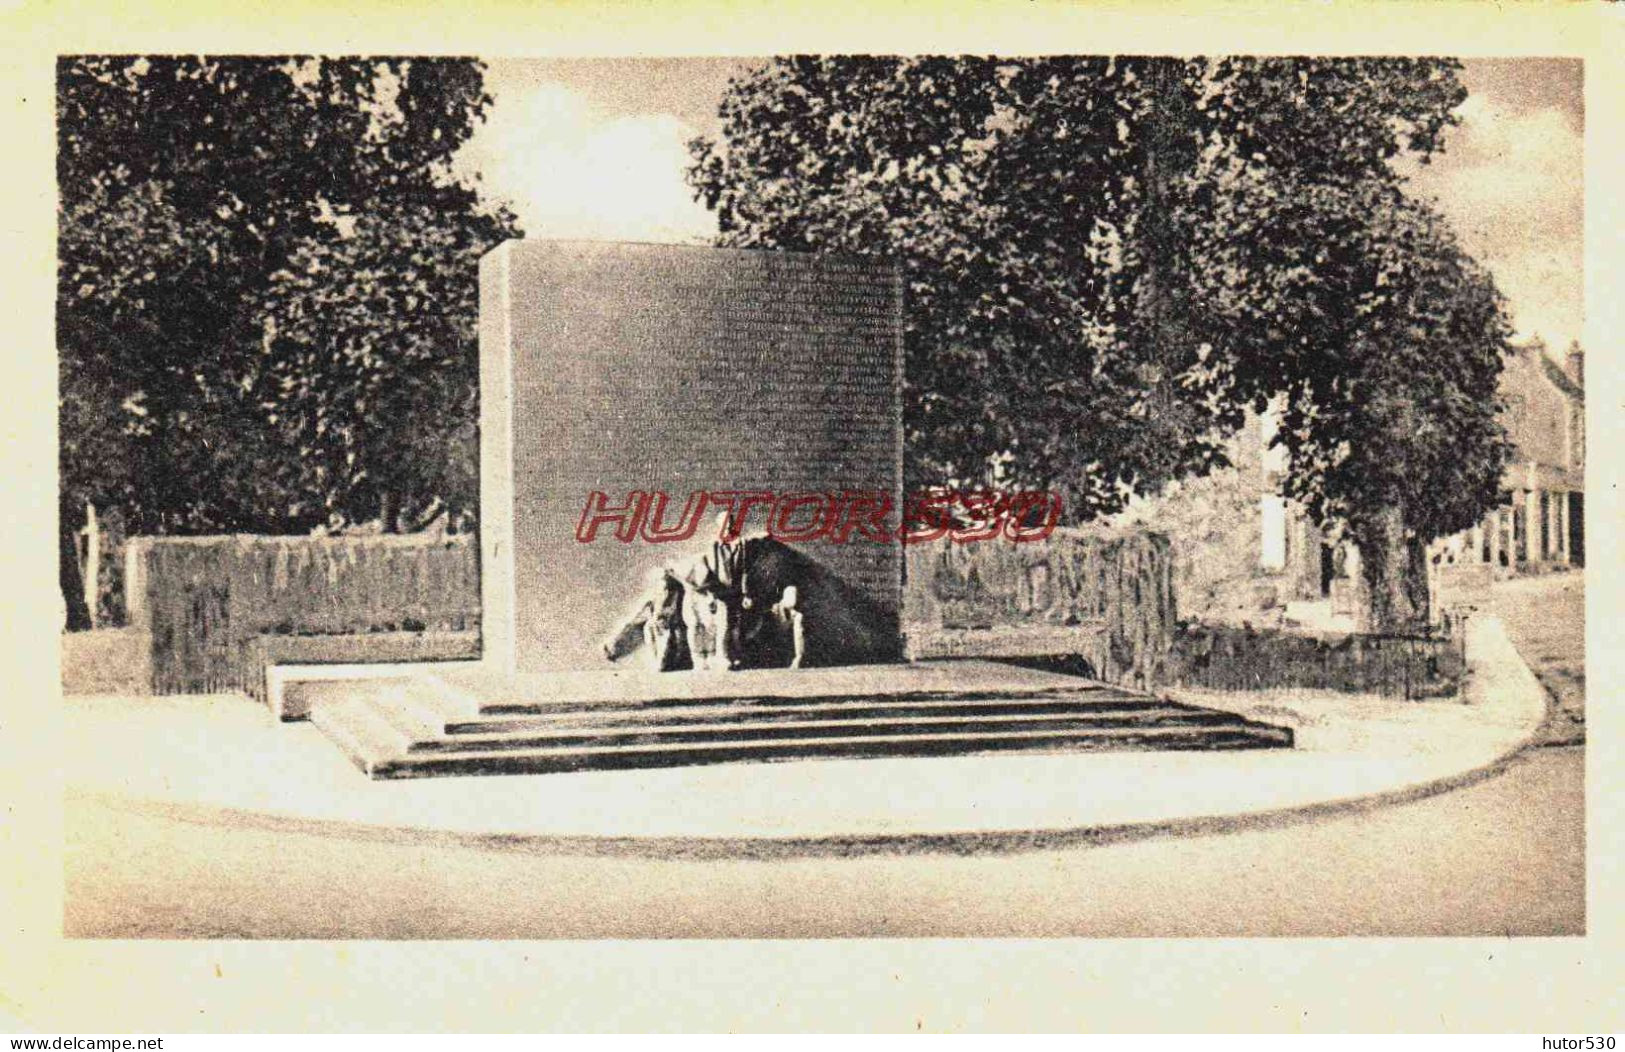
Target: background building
point(1244, 553)
point(1541, 520)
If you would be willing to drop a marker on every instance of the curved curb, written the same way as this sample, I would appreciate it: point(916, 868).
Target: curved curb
point(969, 843)
point(678, 849)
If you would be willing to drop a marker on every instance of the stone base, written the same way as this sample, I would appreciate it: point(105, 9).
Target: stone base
point(477, 721)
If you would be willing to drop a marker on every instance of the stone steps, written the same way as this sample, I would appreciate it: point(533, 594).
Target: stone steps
point(423, 728)
point(808, 729)
point(1084, 692)
point(755, 714)
point(552, 761)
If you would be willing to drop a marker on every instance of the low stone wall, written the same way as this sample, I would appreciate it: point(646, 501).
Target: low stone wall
point(1108, 598)
point(208, 600)
point(1223, 657)
point(216, 609)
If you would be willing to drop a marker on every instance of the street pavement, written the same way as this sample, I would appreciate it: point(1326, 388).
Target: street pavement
point(1545, 619)
point(1502, 857)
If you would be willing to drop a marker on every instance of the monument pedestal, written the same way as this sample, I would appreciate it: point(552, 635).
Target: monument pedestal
point(478, 722)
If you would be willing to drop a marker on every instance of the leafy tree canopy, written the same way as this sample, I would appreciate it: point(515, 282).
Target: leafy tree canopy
point(1051, 216)
point(251, 250)
point(1109, 260)
point(1392, 432)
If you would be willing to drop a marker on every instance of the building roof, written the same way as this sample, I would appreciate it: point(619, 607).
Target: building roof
point(1534, 349)
point(1561, 378)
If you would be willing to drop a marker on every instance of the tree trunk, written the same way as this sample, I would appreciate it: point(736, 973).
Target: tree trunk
point(1395, 570)
point(1162, 300)
point(70, 579)
point(1418, 586)
point(1162, 76)
point(91, 568)
point(389, 511)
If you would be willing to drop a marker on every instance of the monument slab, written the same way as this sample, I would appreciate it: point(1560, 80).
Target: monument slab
point(616, 369)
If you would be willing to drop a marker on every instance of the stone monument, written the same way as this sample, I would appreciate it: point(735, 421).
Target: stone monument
point(620, 369)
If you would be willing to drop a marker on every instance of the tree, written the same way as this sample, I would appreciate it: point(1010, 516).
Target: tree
point(214, 215)
point(375, 359)
point(1393, 435)
point(1013, 359)
point(112, 250)
point(1067, 226)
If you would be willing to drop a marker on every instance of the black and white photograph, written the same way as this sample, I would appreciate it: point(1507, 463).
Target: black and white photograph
point(523, 505)
point(822, 495)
